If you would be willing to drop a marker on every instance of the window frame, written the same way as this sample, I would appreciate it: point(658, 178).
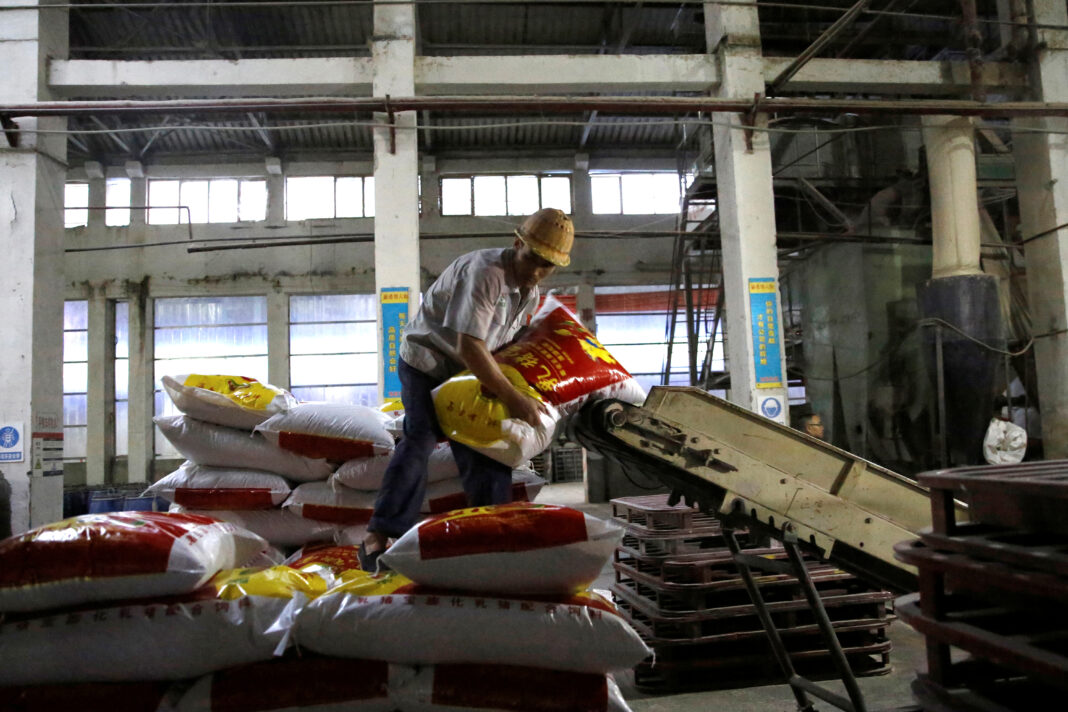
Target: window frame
point(470, 177)
point(185, 213)
point(365, 202)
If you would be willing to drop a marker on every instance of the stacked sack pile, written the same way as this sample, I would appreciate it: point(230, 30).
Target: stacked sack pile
point(259, 459)
point(104, 611)
point(141, 612)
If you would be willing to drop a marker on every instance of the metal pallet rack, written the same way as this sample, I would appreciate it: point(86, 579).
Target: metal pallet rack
point(678, 584)
point(994, 588)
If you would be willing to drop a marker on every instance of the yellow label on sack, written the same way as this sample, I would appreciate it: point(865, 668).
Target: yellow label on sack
point(246, 392)
point(363, 583)
point(470, 415)
point(274, 582)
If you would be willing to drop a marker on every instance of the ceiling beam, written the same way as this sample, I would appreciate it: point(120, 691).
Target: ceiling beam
point(840, 25)
point(515, 74)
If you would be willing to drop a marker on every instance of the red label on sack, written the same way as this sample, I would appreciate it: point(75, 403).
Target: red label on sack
point(223, 498)
point(336, 558)
point(510, 687)
point(323, 447)
point(95, 546)
point(286, 683)
point(507, 527)
point(336, 515)
point(562, 359)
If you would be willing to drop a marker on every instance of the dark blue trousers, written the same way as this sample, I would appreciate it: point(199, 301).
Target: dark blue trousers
point(485, 481)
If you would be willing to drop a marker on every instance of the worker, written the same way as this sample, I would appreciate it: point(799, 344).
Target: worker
point(807, 420)
point(477, 305)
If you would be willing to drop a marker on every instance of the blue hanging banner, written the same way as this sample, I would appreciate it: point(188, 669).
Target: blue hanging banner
point(764, 310)
point(394, 302)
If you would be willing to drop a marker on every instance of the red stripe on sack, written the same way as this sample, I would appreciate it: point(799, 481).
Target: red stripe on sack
point(509, 687)
point(506, 527)
point(94, 546)
point(562, 359)
point(224, 498)
point(336, 515)
point(337, 558)
point(447, 503)
point(85, 697)
point(291, 683)
point(324, 447)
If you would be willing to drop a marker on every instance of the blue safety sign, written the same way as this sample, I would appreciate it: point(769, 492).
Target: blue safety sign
point(764, 311)
point(11, 442)
point(394, 303)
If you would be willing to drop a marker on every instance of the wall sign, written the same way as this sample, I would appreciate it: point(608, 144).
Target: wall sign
point(394, 303)
point(764, 311)
point(12, 442)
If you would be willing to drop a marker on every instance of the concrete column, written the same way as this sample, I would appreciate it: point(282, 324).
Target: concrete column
point(950, 143)
point(276, 199)
point(100, 435)
point(747, 220)
point(97, 196)
point(396, 160)
point(141, 406)
point(1042, 183)
point(431, 190)
point(586, 305)
point(581, 188)
point(278, 338)
point(138, 193)
point(31, 243)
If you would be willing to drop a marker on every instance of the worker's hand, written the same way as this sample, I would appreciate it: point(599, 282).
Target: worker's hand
point(525, 408)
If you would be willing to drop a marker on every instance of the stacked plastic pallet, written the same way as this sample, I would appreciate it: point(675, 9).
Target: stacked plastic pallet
point(678, 585)
point(993, 588)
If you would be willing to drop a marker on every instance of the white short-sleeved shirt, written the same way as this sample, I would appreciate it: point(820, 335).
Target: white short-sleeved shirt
point(475, 295)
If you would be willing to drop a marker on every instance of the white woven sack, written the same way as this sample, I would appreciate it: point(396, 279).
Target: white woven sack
point(166, 640)
point(365, 473)
point(117, 556)
point(449, 494)
point(215, 407)
point(510, 548)
point(335, 431)
point(279, 527)
point(341, 506)
point(203, 487)
point(292, 684)
point(219, 446)
point(392, 619)
point(502, 688)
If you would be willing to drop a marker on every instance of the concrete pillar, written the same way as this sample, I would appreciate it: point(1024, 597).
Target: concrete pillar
point(396, 162)
point(141, 406)
point(581, 188)
point(747, 220)
point(31, 242)
point(278, 338)
point(586, 306)
point(100, 428)
point(97, 196)
point(1042, 184)
point(431, 189)
point(138, 193)
point(950, 143)
point(276, 199)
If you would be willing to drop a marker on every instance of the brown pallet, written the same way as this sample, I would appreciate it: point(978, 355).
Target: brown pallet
point(652, 513)
point(658, 628)
point(1029, 495)
point(732, 671)
point(1021, 549)
point(707, 599)
point(983, 688)
point(994, 580)
point(672, 544)
point(1025, 640)
point(703, 568)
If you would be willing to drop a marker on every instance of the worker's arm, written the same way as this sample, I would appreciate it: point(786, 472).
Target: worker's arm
point(480, 362)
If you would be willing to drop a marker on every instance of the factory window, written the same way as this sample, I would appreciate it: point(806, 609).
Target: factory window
point(216, 200)
point(75, 378)
point(635, 193)
point(212, 335)
point(117, 193)
point(504, 194)
point(122, 378)
point(632, 323)
point(75, 204)
point(333, 354)
point(315, 197)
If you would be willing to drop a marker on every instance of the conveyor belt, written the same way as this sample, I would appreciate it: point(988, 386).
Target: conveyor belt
point(756, 473)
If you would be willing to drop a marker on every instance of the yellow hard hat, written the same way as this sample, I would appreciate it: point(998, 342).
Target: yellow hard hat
point(550, 234)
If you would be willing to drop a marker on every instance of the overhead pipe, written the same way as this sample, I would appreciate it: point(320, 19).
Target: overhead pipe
point(627, 105)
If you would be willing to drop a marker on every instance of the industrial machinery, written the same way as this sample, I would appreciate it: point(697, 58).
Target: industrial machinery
point(755, 474)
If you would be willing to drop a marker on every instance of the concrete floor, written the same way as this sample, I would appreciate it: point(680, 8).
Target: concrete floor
point(884, 692)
